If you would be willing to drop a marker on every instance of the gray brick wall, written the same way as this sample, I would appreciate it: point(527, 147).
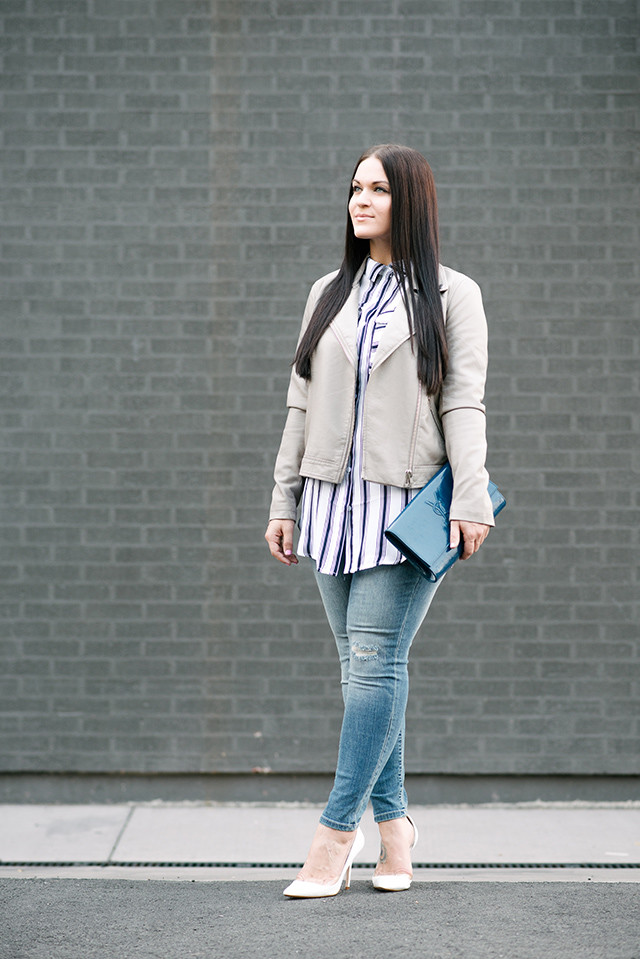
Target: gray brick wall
point(173, 180)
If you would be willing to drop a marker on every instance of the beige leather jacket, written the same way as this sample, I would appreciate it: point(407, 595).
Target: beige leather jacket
point(408, 435)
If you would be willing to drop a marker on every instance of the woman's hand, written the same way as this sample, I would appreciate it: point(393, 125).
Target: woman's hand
point(473, 536)
point(279, 536)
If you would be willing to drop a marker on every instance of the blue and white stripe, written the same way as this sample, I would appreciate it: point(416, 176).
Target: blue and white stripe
point(342, 525)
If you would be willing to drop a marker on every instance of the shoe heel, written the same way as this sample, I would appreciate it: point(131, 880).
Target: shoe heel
point(399, 881)
point(347, 882)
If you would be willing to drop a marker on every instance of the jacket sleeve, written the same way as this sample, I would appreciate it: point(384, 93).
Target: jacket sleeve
point(462, 409)
point(288, 482)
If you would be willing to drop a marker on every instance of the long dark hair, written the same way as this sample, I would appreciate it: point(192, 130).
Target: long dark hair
point(415, 258)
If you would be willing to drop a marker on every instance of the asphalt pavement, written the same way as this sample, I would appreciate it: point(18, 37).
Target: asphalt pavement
point(123, 919)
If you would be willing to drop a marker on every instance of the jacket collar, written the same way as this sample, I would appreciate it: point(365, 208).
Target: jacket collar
point(443, 283)
point(442, 276)
point(396, 332)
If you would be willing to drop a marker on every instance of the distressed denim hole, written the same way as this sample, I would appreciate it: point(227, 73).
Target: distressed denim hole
point(361, 651)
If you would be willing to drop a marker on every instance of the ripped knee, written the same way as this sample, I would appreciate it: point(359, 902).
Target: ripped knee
point(362, 652)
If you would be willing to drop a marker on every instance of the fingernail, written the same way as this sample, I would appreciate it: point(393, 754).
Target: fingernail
point(288, 552)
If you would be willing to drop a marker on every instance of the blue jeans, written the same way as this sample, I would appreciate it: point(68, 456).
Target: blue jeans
point(374, 615)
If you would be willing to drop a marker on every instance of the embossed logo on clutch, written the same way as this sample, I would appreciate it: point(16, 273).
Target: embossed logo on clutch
point(438, 507)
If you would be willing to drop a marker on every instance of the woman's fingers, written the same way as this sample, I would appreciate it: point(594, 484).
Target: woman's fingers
point(279, 536)
point(472, 535)
point(454, 533)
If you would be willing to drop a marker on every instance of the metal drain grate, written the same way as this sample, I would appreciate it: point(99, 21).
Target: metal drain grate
point(298, 865)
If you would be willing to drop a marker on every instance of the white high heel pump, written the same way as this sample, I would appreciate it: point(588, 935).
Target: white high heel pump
point(301, 889)
point(397, 882)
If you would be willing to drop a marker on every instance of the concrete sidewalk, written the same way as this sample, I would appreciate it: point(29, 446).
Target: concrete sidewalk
point(529, 842)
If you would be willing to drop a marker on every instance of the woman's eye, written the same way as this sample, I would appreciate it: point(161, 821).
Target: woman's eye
point(376, 189)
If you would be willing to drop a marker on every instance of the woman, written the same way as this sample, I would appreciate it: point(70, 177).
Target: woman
point(387, 384)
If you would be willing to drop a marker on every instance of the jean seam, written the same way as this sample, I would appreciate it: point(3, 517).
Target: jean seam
point(377, 771)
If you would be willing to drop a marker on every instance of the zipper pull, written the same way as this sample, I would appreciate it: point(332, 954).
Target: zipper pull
point(407, 477)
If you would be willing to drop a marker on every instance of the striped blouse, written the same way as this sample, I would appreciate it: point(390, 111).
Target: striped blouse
point(342, 525)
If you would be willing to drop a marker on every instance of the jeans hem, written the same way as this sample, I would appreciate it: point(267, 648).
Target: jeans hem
point(341, 826)
point(388, 816)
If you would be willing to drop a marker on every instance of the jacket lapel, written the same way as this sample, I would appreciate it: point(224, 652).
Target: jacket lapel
point(397, 329)
point(344, 325)
point(396, 332)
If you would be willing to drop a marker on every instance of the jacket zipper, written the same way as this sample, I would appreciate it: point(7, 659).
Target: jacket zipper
point(347, 449)
point(414, 439)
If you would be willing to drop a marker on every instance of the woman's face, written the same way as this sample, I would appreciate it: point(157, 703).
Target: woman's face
point(370, 204)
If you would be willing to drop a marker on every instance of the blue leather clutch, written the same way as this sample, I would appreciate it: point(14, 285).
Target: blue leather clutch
point(421, 531)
